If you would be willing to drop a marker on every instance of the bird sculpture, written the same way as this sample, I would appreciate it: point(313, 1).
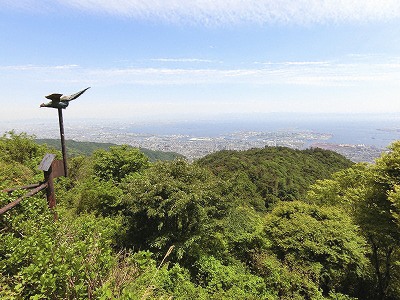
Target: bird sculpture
point(60, 100)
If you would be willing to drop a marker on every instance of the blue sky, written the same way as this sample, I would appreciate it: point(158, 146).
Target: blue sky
point(181, 59)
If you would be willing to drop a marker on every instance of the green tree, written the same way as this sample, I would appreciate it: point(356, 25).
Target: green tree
point(378, 216)
point(370, 193)
point(101, 197)
point(322, 240)
point(118, 162)
point(174, 203)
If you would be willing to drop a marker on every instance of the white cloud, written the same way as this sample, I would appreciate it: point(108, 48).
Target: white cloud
point(221, 12)
point(291, 73)
point(183, 60)
point(360, 85)
point(37, 68)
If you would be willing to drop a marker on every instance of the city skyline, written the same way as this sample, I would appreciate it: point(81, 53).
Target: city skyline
point(181, 59)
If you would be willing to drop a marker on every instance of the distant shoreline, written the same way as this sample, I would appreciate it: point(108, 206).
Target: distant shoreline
point(357, 139)
point(372, 130)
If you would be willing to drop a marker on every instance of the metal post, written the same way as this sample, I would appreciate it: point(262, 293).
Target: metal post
point(63, 148)
point(51, 197)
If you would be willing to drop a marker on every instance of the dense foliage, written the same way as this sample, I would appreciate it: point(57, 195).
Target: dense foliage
point(276, 173)
point(269, 223)
point(370, 193)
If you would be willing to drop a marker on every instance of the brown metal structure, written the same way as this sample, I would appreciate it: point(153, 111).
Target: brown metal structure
point(56, 170)
point(52, 169)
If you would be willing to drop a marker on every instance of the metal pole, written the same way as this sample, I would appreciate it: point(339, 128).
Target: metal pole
point(64, 151)
point(51, 197)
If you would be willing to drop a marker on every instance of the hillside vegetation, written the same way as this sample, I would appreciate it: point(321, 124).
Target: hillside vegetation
point(269, 223)
point(275, 173)
point(75, 148)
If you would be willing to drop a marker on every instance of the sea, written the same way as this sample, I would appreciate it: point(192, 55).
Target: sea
point(378, 130)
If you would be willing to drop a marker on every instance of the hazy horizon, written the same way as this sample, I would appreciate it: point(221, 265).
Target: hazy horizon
point(224, 117)
point(378, 130)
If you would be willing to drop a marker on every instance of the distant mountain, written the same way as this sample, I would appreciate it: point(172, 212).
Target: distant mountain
point(75, 148)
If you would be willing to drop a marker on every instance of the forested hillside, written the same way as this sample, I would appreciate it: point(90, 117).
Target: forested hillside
point(271, 223)
point(275, 173)
point(75, 148)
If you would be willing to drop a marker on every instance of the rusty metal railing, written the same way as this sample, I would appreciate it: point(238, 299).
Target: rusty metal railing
point(52, 169)
point(36, 190)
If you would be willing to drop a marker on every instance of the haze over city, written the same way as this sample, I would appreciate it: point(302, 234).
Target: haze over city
point(168, 60)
